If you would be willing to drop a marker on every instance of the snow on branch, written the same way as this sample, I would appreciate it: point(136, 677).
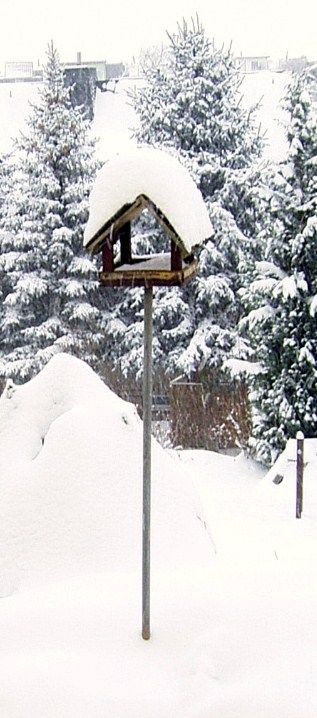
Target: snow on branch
point(241, 367)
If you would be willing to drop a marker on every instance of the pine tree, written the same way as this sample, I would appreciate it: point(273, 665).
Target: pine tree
point(52, 300)
point(191, 106)
point(283, 297)
point(7, 170)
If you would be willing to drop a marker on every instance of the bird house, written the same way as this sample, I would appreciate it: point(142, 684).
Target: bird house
point(152, 180)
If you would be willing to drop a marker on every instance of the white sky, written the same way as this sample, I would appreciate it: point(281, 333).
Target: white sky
point(118, 30)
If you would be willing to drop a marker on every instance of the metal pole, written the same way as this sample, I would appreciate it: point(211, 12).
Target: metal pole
point(147, 425)
point(299, 473)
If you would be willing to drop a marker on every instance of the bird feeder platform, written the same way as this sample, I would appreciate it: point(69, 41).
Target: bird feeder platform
point(164, 269)
point(153, 181)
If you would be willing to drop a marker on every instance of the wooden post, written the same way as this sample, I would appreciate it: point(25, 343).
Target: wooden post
point(125, 243)
point(299, 473)
point(147, 426)
point(107, 256)
point(176, 257)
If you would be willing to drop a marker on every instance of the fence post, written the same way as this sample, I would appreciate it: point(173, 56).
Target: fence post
point(299, 473)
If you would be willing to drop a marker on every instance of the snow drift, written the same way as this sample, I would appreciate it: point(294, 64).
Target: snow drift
point(234, 629)
point(70, 473)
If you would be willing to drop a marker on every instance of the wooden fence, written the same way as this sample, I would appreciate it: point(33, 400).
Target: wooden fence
point(211, 415)
point(214, 419)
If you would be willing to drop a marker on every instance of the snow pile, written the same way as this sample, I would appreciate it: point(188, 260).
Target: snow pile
point(233, 599)
point(160, 177)
point(70, 473)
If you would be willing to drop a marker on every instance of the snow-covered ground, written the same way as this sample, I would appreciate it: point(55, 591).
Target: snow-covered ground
point(15, 99)
point(268, 89)
point(234, 577)
point(115, 118)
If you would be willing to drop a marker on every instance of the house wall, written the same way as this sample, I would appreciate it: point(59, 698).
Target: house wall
point(19, 70)
point(252, 64)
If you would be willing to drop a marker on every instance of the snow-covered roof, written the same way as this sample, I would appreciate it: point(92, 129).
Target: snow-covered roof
point(158, 177)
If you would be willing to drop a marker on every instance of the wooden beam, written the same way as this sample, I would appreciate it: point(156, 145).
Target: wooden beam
point(126, 214)
point(125, 243)
point(148, 277)
point(111, 228)
point(176, 257)
point(107, 257)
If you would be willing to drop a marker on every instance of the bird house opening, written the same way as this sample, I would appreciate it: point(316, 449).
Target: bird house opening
point(111, 261)
point(123, 267)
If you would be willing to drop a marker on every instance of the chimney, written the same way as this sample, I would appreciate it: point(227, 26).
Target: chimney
point(78, 58)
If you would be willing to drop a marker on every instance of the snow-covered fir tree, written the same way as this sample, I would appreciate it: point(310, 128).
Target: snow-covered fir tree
point(191, 106)
point(282, 299)
point(52, 300)
point(4, 174)
point(7, 169)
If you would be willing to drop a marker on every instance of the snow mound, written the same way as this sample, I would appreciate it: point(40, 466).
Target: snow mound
point(71, 475)
point(233, 617)
point(27, 412)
